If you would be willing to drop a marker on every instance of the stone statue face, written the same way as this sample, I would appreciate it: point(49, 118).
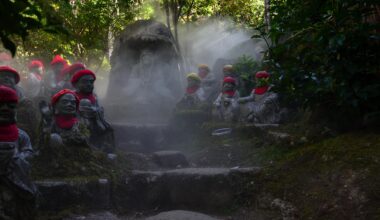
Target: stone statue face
point(228, 86)
point(7, 112)
point(262, 82)
point(146, 57)
point(57, 68)
point(66, 105)
point(7, 79)
point(38, 70)
point(192, 83)
point(85, 84)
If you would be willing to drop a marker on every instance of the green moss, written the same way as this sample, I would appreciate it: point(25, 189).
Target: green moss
point(317, 176)
point(72, 163)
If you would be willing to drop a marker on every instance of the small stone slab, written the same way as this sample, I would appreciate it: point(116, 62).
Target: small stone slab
point(181, 215)
point(170, 159)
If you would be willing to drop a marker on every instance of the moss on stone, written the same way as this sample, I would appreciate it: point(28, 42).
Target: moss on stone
point(336, 178)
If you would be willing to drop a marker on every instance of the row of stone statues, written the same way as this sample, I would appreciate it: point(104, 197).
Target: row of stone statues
point(57, 110)
point(203, 89)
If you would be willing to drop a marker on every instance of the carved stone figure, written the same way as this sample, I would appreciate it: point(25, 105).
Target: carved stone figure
point(17, 191)
point(229, 71)
point(101, 131)
point(145, 71)
point(52, 79)
point(262, 104)
point(66, 128)
point(34, 85)
point(10, 77)
point(27, 116)
point(209, 83)
point(66, 74)
point(194, 96)
point(227, 104)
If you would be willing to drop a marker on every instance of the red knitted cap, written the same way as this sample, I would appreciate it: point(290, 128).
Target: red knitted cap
point(59, 94)
point(81, 73)
point(71, 70)
point(8, 95)
point(58, 59)
point(35, 63)
point(262, 74)
point(9, 69)
point(229, 79)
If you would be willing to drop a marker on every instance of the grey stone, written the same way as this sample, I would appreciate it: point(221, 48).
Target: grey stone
point(59, 195)
point(170, 159)
point(94, 216)
point(203, 189)
point(181, 215)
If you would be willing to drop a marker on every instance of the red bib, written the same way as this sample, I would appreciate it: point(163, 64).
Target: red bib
point(8, 133)
point(65, 121)
point(191, 90)
point(261, 90)
point(229, 93)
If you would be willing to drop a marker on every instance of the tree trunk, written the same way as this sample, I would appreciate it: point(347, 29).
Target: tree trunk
point(267, 15)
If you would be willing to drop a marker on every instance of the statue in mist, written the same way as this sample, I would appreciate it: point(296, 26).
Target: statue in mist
point(145, 80)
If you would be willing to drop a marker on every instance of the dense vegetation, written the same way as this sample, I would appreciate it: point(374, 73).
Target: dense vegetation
point(323, 54)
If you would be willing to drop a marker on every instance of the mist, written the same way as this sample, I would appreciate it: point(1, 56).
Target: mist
point(148, 72)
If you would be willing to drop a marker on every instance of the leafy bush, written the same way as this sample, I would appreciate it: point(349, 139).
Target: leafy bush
point(246, 67)
point(324, 54)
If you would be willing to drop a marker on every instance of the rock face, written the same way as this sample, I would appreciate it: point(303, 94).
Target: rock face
point(170, 159)
point(180, 215)
point(203, 189)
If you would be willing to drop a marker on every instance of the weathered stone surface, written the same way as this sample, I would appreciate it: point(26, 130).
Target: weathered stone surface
point(94, 216)
point(59, 195)
point(181, 215)
point(203, 189)
point(141, 138)
point(139, 161)
point(170, 159)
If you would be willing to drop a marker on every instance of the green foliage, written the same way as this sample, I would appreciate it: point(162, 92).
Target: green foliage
point(246, 67)
point(250, 12)
point(17, 18)
point(312, 177)
point(325, 54)
point(91, 26)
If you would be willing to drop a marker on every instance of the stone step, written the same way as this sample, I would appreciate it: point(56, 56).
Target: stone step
point(199, 189)
point(180, 215)
point(208, 190)
point(57, 195)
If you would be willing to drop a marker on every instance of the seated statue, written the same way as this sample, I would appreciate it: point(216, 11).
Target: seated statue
point(34, 86)
point(101, 132)
point(209, 83)
point(194, 95)
point(65, 127)
point(10, 77)
point(226, 104)
point(262, 103)
point(27, 115)
point(52, 77)
point(66, 73)
point(17, 191)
